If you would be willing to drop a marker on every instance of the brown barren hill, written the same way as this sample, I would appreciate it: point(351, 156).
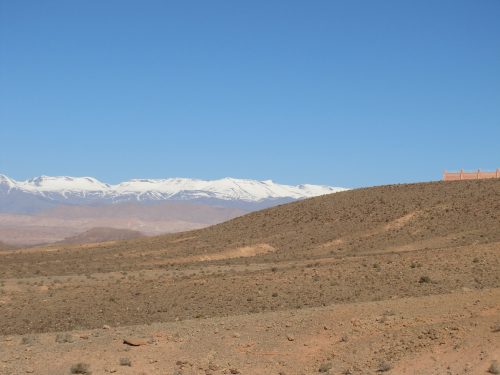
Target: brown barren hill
point(4, 246)
point(102, 235)
point(402, 278)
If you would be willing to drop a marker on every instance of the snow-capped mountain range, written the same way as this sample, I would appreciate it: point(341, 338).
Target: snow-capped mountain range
point(88, 190)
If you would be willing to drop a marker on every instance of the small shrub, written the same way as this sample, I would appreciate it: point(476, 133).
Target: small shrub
point(424, 279)
point(81, 368)
point(494, 368)
point(384, 367)
point(62, 338)
point(28, 340)
point(325, 367)
point(125, 362)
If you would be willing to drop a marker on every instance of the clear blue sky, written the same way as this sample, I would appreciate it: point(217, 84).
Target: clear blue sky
point(349, 93)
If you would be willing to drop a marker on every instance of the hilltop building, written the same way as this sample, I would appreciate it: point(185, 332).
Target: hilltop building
point(477, 175)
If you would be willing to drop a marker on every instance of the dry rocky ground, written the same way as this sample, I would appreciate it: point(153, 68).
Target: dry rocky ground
point(401, 279)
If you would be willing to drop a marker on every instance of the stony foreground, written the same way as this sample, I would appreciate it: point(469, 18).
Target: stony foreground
point(456, 333)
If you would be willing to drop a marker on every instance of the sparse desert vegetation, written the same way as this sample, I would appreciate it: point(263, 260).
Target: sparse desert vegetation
point(125, 361)
point(81, 368)
point(494, 368)
point(360, 282)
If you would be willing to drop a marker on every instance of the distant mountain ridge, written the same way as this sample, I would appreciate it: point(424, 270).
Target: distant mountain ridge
point(50, 209)
point(42, 192)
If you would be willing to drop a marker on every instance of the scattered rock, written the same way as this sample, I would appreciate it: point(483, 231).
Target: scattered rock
point(213, 367)
point(135, 341)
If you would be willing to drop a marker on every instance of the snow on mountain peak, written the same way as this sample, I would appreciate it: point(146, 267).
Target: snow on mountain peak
point(163, 189)
point(62, 183)
point(4, 180)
